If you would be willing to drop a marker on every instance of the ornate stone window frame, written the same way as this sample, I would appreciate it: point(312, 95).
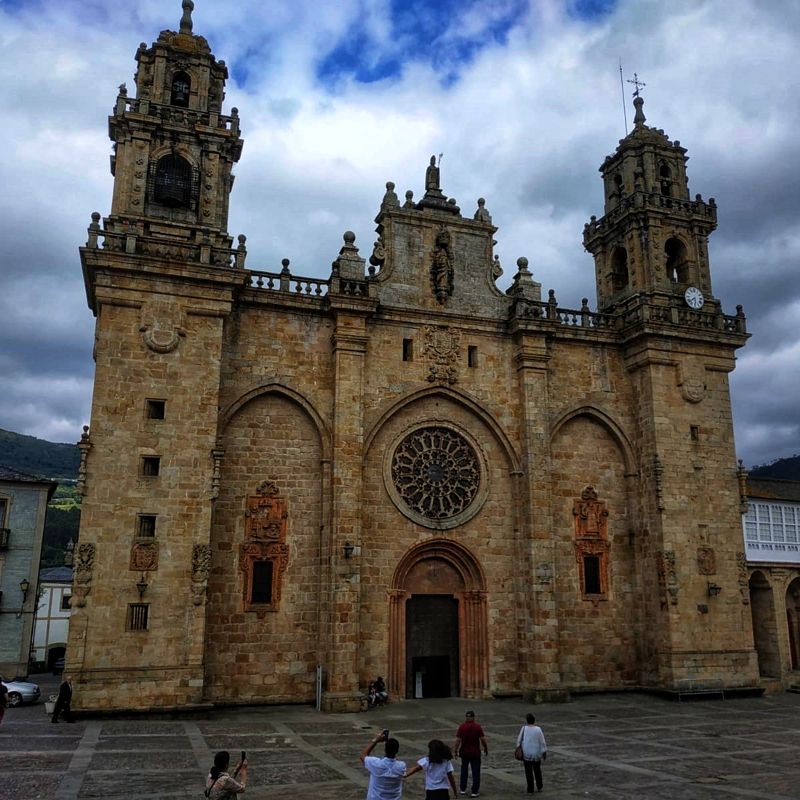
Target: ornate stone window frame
point(590, 517)
point(265, 540)
point(483, 482)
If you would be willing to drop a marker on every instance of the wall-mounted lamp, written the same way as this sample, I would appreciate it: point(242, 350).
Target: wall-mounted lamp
point(713, 589)
point(347, 549)
point(141, 585)
point(24, 587)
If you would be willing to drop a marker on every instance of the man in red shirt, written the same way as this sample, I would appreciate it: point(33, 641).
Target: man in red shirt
point(469, 742)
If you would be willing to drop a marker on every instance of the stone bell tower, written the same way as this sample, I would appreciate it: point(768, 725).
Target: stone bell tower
point(161, 279)
point(173, 148)
point(653, 238)
point(677, 347)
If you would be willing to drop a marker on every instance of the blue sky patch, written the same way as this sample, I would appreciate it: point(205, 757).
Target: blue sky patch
point(431, 31)
point(591, 9)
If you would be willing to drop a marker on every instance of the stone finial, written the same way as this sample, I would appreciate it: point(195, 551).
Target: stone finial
point(186, 19)
point(409, 199)
point(390, 198)
point(482, 215)
point(349, 265)
point(523, 286)
point(639, 118)
point(123, 90)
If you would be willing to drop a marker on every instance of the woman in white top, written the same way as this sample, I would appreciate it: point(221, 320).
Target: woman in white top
point(534, 751)
point(438, 771)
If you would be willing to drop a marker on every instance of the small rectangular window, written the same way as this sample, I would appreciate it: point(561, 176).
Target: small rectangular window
point(695, 431)
point(408, 349)
point(151, 465)
point(146, 526)
point(591, 574)
point(138, 616)
point(155, 409)
point(66, 600)
point(262, 582)
point(472, 356)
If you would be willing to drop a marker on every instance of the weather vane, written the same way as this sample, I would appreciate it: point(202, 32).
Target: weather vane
point(637, 83)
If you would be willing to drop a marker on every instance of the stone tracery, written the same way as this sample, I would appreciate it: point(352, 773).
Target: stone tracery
point(436, 472)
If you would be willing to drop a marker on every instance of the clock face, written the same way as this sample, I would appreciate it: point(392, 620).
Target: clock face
point(694, 297)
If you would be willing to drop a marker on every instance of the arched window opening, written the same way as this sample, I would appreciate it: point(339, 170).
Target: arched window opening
point(619, 270)
point(665, 178)
point(173, 182)
point(181, 88)
point(677, 261)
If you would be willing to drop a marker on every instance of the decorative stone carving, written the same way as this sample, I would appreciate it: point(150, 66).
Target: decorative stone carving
point(378, 256)
point(84, 445)
point(201, 568)
point(144, 556)
point(742, 578)
point(693, 389)
point(590, 515)
point(482, 215)
point(741, 477)
point(161, 341)
point(216, 472)
point(390, 200)
point(265, 540)
point(84, 565)
point(442, 347)
point(706, 561)
point(435, 476)
point(442, 269)
point(667, 577)
point(590, 519)
point(658, 475)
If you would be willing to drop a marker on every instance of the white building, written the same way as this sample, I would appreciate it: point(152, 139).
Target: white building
point(52, 615)
point(772, 552)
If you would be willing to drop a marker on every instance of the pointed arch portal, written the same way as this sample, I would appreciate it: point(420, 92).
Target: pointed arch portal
point(438, 587)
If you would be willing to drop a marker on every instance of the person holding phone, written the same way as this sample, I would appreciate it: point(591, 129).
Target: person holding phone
point(222, 786)
point(385, 774)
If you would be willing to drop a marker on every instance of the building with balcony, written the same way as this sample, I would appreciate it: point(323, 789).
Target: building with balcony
point(51, 628)
point(772, 549)
point(23, 505)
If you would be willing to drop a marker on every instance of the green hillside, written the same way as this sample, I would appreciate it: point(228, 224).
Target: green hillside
point(38, 457)
point(786, 468)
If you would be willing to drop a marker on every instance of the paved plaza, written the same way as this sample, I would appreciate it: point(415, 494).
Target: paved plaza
point(604, 746)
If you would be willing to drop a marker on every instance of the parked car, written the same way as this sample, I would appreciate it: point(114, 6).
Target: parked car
point(20, 692)
point(58, 666)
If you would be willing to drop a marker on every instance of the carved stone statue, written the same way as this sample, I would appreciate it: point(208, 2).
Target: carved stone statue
point(442, 271)
point(432, 177)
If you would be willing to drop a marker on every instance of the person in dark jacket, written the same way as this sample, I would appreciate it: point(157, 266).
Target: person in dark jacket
point(64, 701)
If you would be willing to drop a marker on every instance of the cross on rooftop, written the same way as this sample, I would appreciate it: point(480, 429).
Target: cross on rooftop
point(637, 83)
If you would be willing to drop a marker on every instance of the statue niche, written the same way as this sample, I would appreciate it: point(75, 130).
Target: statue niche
point(442, 271)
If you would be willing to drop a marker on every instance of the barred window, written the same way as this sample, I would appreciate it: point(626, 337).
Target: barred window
point(173, 182)
point(138, 616)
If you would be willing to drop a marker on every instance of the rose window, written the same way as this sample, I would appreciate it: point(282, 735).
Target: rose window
point(436, 473)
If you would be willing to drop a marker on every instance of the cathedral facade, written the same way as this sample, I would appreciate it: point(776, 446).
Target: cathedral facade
point(294, 484)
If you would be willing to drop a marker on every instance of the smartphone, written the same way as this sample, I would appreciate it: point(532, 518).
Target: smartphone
point(385, 734)
point(243, 756)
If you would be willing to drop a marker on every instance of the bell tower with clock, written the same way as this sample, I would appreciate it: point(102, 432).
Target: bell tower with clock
point(653, 238)
point(677, 347)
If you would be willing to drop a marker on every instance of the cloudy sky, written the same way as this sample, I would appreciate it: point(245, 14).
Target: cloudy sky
point(521, 96)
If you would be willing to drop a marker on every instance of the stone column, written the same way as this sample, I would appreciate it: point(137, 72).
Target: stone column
point(539, 634)
point(349, 350)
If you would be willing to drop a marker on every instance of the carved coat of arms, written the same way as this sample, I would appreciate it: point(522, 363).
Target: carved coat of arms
point(442, 347)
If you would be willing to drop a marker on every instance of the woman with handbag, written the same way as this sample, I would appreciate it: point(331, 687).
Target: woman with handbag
point(531, 750)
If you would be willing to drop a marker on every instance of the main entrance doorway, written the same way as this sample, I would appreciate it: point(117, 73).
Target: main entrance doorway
point(432, 646)
point(438, 641)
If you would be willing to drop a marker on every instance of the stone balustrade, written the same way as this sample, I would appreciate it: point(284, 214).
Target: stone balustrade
point(169, 114)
